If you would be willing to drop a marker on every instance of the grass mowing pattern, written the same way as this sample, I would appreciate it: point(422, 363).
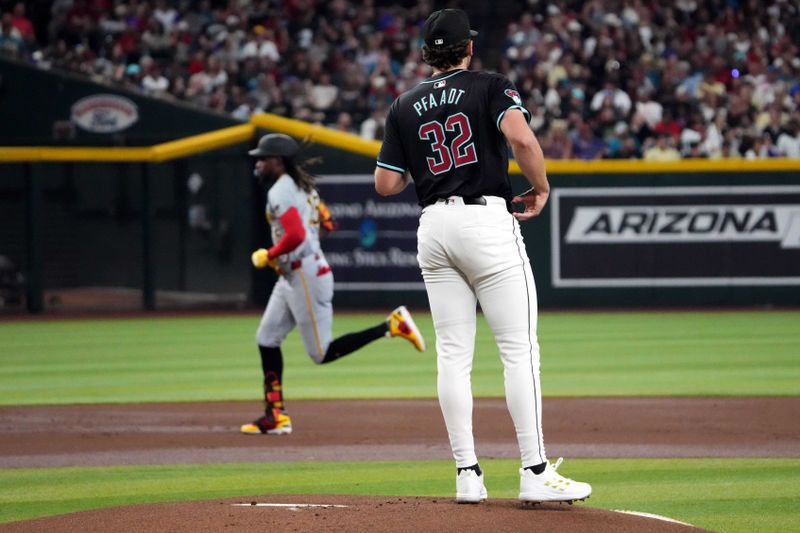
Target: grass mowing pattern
point(214, 358)
point(728, 495)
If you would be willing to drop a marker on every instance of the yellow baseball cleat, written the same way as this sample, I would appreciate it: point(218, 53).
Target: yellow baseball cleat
point(279, 424)
point(402, 325)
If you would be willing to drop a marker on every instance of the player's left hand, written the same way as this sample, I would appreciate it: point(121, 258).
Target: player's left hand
point(534, 201)
point(261, 259)
point(326, 222)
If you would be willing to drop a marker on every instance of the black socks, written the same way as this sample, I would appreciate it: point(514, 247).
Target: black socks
point(537, 469)
point(351, 342)
point(271, 361)
point(476, 467)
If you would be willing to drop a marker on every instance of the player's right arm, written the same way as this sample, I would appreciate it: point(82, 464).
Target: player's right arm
point(530, 158)
point(389, 182)
point(282, 205)
point(391, 170)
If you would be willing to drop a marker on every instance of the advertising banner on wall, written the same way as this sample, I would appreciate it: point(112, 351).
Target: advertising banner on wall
point(676, 236)
point(375, 245)
point(104, 113)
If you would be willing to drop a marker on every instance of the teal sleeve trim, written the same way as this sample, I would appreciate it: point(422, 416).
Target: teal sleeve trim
point(392, 167)
point(500, 116)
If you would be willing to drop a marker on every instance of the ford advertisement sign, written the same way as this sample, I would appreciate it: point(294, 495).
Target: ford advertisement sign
point(104, 113)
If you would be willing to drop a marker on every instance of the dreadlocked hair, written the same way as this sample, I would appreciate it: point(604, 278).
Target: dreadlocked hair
point(302, 177)
point(445, 57)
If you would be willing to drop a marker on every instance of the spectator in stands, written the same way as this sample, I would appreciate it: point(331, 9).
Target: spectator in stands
point(323, 94)
point(261, 44)
point(165, 14)
point(344, 122)
point(585, 144)
point(727, 151)
point(154, 83)
point(11, 40)
point(22, 23)
point(789, 141)
point(557, 145)
point(662, 150)
point(776, 119)
point(695, 151)
point(612, 97)
point(156, 42)
point(668, 125)
point(372, 128)
point(767, 148)
point(651, 110)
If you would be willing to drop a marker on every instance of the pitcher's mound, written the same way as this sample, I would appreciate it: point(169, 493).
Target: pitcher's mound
point(347, 513)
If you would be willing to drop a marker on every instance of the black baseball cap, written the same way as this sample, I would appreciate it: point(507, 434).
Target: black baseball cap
point(446, 27)
point(275, 145)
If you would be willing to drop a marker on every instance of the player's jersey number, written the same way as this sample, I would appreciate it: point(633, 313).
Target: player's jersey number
point(460, 152)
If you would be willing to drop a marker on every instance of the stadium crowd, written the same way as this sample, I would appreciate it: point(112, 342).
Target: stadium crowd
point(658, 80)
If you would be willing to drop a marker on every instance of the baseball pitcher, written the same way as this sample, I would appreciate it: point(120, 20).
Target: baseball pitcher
point(449, 135)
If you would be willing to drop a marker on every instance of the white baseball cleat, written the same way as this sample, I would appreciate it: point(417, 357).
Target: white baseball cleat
point(469, 487)
point(550, 486)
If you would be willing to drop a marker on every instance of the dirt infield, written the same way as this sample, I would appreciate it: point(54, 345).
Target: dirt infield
point(89, 435)
point(50, 436)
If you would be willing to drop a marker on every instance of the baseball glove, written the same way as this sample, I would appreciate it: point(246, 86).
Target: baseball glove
point(326, 222)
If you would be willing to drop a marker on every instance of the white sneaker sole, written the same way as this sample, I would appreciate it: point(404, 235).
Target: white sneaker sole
point(410, 321)
point(465, 498)
point(539, 498)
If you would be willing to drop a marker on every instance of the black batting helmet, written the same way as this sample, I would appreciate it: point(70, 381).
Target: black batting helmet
point(275, 144)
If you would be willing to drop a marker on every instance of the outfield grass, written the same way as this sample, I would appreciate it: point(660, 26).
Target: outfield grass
point(214, 358)
point(728, 495)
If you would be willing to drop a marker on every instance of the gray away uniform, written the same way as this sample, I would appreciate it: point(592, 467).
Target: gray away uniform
point(303, 294)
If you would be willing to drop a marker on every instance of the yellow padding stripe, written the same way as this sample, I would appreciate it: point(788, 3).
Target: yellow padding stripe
point(154, 154)
point(203, 142)
point(318, 134)
point(11, 154)
point(355, 144)
point(311, 311)
point(639, 166)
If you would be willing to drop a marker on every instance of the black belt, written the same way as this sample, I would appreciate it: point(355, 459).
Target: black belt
point(468, 200)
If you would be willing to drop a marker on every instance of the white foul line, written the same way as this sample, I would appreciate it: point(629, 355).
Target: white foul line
point(655, 516)
point(287, 505)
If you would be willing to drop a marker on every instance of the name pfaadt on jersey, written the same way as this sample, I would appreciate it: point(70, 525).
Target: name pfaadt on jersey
point(431, 100)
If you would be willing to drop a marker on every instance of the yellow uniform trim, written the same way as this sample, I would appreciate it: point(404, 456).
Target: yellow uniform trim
point(311, 311)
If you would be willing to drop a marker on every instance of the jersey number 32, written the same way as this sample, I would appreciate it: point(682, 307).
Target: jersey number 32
point(460, 152)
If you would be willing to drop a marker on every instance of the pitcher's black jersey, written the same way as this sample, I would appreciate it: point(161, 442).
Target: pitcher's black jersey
point(446, 133)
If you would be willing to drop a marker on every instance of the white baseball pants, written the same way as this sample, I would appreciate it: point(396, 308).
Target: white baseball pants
point(469, 254)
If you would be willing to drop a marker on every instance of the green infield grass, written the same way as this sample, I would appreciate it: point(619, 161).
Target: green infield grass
point(214, 358)
point(727, 495)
